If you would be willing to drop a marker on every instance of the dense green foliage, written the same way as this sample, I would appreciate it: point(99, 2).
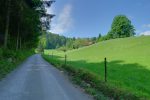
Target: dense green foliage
point(128, 62)
point(20, 27)
point(55, 41)
point(19, 23)
point(52, 41)
point(120, 28)
point(9, 59)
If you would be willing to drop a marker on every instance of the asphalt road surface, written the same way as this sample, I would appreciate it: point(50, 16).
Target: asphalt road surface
point(36, 79)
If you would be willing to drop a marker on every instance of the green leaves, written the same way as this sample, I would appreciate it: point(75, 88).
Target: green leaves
point(121, 27)
point(24, 23)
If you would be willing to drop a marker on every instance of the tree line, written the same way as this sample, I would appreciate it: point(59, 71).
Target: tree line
point(20, 23)
point(55, 41)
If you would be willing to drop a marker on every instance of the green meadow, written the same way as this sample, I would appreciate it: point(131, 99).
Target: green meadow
point(128, 62)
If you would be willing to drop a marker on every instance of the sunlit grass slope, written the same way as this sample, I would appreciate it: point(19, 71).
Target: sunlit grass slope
point(128, 62)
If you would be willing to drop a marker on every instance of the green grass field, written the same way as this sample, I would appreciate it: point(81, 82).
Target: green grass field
point(128, 62)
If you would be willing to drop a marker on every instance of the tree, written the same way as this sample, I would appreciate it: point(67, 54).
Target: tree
point(99, 36)
point(121, 27)
point(20, 22)
point(7, 23)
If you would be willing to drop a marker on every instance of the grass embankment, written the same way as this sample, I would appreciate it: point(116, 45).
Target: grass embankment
point(91, 83)
point(9, 59)
point(128, 63)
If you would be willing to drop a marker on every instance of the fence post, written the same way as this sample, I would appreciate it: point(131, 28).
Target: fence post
point(65, 59)
point(52, 54)
point(105, 61)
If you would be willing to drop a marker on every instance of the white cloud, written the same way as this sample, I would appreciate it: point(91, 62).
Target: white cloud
point(146, 25)
point(145, 33)
point(64, 22)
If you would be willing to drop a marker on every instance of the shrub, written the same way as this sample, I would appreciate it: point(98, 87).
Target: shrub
point(8, 53)
point(9, 59)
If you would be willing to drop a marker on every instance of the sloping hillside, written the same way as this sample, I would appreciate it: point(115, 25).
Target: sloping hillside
point(128, 62)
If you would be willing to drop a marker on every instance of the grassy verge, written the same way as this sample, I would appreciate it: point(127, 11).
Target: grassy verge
point(9, 59)
point(92, 84)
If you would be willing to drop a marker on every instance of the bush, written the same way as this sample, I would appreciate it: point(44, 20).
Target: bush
point(9, 59)
point(8, 53)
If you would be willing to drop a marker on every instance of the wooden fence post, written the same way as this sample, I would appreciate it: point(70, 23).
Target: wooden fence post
point(105, 61)
point(52, 54)
point(65, 59)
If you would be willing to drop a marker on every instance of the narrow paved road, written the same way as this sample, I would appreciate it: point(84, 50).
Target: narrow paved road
point(36, 79)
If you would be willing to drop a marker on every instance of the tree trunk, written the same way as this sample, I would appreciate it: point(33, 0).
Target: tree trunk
point(7, 24)
point(17, 45)
point(20, 43)
point(19, 37)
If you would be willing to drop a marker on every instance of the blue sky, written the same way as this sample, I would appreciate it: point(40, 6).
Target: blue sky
point(88, 18)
